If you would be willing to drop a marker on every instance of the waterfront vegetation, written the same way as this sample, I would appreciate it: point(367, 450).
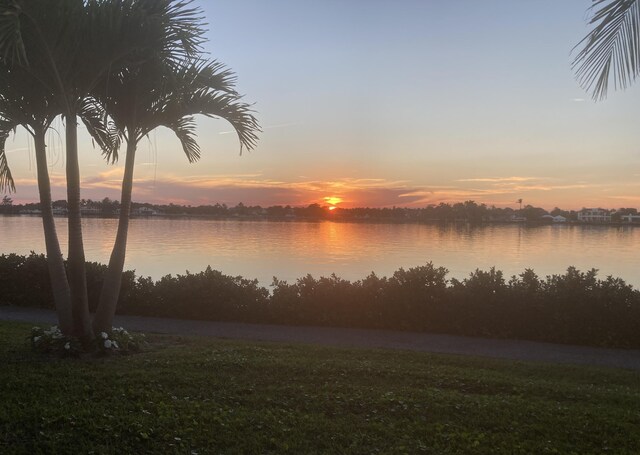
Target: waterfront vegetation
point(575, 307)
point(195, 395)
point(468, 211)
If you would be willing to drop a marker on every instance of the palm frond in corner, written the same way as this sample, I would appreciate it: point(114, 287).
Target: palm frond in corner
point(611, 51)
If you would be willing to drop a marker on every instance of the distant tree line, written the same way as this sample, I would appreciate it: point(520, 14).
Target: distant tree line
point(468, 211)
point(576, 307)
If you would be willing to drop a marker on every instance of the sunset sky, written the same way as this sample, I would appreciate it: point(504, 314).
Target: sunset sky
point(382, 103)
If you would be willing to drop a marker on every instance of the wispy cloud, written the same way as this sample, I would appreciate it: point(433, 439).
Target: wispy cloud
point(446, 195)
point(504, 185)
point(21, 149)
point(554, 187)
point(629, 198)
point(500, 179)
point(252, 188)
point(492, 189)
point(56, 180)
point(258, 188)
point(110, 179)
point(268, 127)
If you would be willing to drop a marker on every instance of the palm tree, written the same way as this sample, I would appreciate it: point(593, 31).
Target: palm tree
point(121, 34)
point(23, 104)
point(67, 47)
point(50, 41)
point(611, 51)
point(155, 94)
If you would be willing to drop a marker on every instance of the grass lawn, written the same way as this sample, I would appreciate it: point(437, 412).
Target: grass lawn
point(196, 395)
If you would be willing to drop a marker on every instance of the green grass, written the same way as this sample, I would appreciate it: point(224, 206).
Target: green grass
point(194, 395)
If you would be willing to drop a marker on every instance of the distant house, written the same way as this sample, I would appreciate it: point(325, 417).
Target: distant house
point(145, 211)
point(30, 212)
point(594, 215)
point(630, 218)
point(85, 210)
point(559, 219)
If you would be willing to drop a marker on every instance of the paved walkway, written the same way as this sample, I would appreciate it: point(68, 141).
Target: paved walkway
point(414, 341)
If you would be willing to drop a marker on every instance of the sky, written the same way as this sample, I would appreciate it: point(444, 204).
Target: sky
point(386, 103)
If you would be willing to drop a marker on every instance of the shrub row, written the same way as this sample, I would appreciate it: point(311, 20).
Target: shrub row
point(576, 307)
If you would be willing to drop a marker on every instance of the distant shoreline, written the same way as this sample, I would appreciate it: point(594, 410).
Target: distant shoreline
point(339, 219)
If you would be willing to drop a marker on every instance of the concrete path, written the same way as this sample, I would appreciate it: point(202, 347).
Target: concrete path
point(414, 341)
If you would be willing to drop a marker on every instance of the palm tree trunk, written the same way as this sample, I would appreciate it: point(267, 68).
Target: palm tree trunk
point(76, 260)
point(55, 263)
point(103, 319)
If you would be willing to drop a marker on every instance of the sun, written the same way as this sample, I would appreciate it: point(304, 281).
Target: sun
point(333, 200)
point(333, 207)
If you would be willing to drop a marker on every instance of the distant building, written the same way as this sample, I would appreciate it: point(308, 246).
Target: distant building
point(594, 215)
point(630, 218)
point(145, 211)
point(89, 210)
point(553, 219)
point(30, 212)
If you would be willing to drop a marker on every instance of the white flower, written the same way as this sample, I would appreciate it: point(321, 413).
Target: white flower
point(115, 344)
point(104, 335)
point(107, 344)
point(36, 339)
point(67, 346)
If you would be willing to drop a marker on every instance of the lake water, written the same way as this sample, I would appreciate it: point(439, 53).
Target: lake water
point(289, 250)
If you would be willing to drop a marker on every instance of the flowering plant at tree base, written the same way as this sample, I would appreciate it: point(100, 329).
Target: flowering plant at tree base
point(53, 341)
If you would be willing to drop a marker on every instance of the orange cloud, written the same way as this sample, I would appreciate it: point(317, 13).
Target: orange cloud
point(257, 189)
point(500, 179)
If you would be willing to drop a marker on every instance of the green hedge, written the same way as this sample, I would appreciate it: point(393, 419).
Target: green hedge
point(576, 307)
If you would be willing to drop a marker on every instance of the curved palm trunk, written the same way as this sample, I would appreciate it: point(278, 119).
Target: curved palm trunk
point(76, 260)
point(55, 263)
point(103, 319)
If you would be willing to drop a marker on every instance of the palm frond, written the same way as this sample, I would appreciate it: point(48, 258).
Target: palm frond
point(204, 73)
point(184, 27)
point(171, 30)
point(208, 88)
point(230, 108)
point(101, 128)
point(11, 44)
point(157, 94)
point(611, 51)
point(185, 130)
point(6, 179)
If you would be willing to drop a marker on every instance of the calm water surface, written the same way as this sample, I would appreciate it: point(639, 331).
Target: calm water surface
point(289, 250)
